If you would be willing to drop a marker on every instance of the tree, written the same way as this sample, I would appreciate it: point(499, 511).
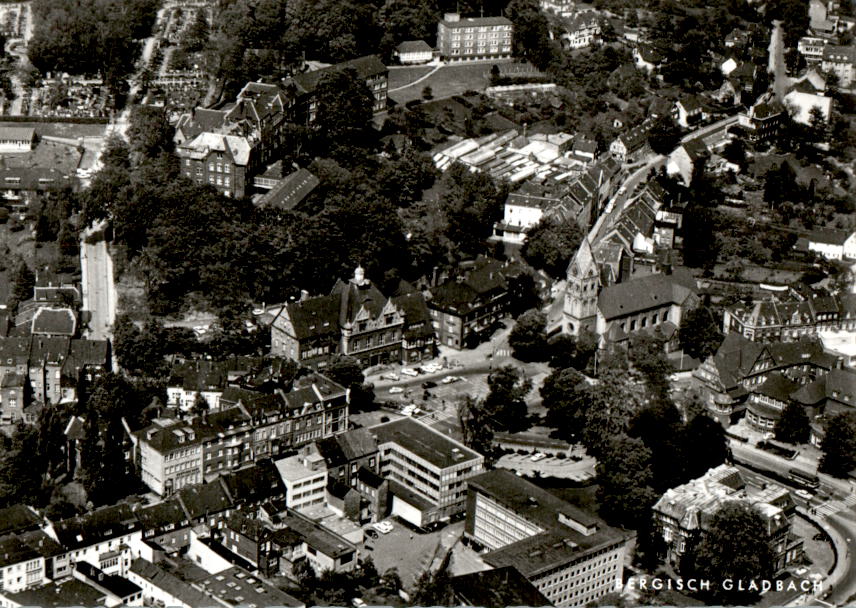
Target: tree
point(528, 339)
point(564, 395)
point(434, 588)
point(736, 547)
point(624, 476)
point(551, 244)
point(612, 403)
point(149, 132)
point(305, 575)
point(477, 428)
point(647, 352)
point(505, 405)
point(661, 429)
point(348, 372)
point(344, 115)
point(664, 135)
point(471, 204)
point(793, 426)
point(699, 334)
point(427, 93)
point(23, 282)
point(531, 32)
point(839, 445)
point(705, 446)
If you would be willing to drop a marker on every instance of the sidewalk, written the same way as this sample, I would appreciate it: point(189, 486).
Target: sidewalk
point(839, 546)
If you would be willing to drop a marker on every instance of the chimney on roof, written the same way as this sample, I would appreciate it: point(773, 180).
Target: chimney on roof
point(304, 295)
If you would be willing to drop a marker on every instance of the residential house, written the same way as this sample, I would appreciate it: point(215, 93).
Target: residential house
point(564, 8)
point(683, 514)
point(165, 526)
point(569, 555)
point(830, 244)
point(117, 590)
point(688, 111)
point(630, 144)
point(344, 454)
point(356, 319)
point(830, 394)
point(412, 52)
point(841, 61)
point(683, 160)
point(369, 69)
point(582, 30)
point(466, 306)
point(426, 471)
point(474, 38)
point(20, 186)
point(737, 38)
point(161, 587)
point(762, 121)
point(54, 595)
point(647, 57)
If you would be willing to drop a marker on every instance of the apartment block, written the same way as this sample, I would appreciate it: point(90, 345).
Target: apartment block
point(474, 38)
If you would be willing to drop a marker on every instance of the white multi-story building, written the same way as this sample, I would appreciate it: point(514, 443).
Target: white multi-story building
point(305, 479)
point(472, 39)
point(569, 555)
point(426, 470)
point(841, 61)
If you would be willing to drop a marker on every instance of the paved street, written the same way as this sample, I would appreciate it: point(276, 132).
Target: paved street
point(99, 291)
point(781, 81)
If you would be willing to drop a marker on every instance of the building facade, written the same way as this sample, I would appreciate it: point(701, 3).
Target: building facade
point(568, 554)
point(787, 321)
point(426, 471)
point(475, 38)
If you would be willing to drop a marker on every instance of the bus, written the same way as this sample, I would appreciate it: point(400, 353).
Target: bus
point(806, 480)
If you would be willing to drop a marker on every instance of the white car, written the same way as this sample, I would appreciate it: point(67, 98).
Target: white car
point(804, 494)
point(538, 456)
point(431, 368)
point(384, 527)
point(395, 390)
point(358, 603)
point(409, 372)
point(393, 377)
point(258, 311)
point(450, 379)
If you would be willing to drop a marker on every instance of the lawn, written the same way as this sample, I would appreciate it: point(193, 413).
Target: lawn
point(447, 81)
point(401, 77)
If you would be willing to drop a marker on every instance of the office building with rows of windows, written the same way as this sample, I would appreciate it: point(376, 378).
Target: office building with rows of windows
point(426, 470)
point(569, 555)
point(473, 39)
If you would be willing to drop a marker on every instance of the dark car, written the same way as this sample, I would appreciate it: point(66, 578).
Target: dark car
point(371, 533)
point(429, 384)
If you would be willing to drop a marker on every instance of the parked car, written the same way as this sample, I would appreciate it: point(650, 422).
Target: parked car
point(409, 372)
point(805, 495)
point(395, 390)
point(358, 603)
point(538, 456)
point(391, 376)
point(371, 533)
point(431, 368)
point(450, 379)
point(429, 384)
point(384, 527)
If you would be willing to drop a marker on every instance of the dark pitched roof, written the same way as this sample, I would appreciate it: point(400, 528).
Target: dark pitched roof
point(652, 291)
point(317, 536)
point(70, 593)
point(204, 499)
point(357, 443)
point(496, 589)
point(161, 579)
point(315, 317)
point(96, 526)
point(365, 67)
point(413, 46)
point(331, 452)
point(778, 387)
point(18, 518)
point(254, 484)
point(291, 191)
point(163, 516)
point(112, 583)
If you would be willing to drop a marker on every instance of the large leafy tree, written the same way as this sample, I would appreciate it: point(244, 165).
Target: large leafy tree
point(528, 339)
point(793, 426)
point(551, 244)
point(471, 204)
point(648, 356)
point(839, 445)
point(564, 396)
point(699, 333)
point(505, 401)
point(344, 115)
point(477, 426)
point(612, 403)
point(624, 481)
point(660, 428)
point(736, 547)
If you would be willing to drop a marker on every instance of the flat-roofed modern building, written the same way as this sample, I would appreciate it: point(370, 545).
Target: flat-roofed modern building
point(569, 555)
point(472, 39)
point(427, 471)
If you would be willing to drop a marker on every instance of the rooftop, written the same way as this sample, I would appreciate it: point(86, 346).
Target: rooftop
point(317, 536)
point(238, 587)
point(497, 589)
point(70, 593)
point(424, 442)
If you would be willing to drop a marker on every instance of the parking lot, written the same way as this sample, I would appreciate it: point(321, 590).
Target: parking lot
point(550, 466)
point(407, 550)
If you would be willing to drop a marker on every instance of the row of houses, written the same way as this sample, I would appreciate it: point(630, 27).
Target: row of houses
point(775, 320)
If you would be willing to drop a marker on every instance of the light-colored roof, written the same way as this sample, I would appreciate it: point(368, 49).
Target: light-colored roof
point(238, 147)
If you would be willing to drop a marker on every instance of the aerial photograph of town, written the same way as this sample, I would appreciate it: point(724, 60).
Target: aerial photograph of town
point(427, 303)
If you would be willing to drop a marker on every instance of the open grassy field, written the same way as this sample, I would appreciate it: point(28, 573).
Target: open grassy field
point(447, 81)
point(400, 77)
